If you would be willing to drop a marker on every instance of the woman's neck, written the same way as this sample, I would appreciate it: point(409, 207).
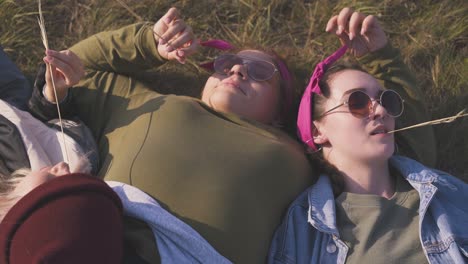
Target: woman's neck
point(367, 178)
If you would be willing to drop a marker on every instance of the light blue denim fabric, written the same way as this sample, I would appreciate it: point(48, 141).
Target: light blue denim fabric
point(309, 234)
point(177, 242)
point(14, 88)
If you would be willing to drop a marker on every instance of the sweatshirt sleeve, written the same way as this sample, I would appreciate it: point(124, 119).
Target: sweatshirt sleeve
point(387, 65)
point(128, 50)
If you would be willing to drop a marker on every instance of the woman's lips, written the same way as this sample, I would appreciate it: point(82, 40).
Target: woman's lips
point(379, 130)
point(233, 84)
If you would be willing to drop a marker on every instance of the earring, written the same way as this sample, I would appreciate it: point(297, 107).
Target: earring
point(311, 151)
point(395, 149)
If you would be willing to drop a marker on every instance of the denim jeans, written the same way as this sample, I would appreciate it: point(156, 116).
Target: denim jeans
point(14, 87)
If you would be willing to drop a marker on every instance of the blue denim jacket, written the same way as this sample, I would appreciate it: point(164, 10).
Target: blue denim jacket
point(309, 234)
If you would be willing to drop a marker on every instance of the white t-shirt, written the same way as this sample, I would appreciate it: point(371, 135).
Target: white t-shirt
point(44, 145)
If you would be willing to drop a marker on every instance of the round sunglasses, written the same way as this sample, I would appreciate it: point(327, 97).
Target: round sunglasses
point(258, 70)
point(360, 104)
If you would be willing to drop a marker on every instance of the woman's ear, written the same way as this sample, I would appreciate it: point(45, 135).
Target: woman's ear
point(319, 137)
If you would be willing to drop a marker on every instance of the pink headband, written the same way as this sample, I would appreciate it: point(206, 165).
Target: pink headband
point(282, 68)
point(305, 115)
point(216, 44)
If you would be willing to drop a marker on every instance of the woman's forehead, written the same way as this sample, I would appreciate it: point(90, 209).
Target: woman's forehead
point(352, 79)
point(256, 55)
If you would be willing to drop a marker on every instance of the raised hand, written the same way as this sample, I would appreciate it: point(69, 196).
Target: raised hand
point(362, 34)
point(67, 71)
point(175, 38)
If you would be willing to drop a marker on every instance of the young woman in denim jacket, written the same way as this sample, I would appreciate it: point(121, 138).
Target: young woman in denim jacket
point(369, 205)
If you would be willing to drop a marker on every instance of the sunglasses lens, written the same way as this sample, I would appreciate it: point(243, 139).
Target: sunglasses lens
point(392, 102)
point(224, 63)
point(257, 70)
point(359, 104)
point(260, 70)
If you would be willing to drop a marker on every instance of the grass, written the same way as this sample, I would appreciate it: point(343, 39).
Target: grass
point(432, 36)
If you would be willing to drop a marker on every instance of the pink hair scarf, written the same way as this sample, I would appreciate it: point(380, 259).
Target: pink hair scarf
point(305, 114)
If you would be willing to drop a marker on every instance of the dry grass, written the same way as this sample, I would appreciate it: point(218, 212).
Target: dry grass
point(45, 42)
point(432, 35)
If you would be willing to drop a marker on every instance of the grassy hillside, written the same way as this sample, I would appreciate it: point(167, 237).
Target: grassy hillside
point(432, 35)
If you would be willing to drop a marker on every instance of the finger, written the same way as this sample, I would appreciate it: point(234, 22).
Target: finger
point(182, 53)
point(190, 49)
point(162, 24)
point(173, 32)
point(73, 60)
point(355, 23)
point(180, 56)
point(51, 71)
point(47, 73)
point(50, 52)
point(344, 39)
point(368, 24)
point(49, 92)
point(59, 64)
point(332, 24)
point(66, 56)
point(64, 68)
point(68, 64)
point(49, 57)
point(343, 19)
point(361, 46)
point(184, 39)
point(172, 14)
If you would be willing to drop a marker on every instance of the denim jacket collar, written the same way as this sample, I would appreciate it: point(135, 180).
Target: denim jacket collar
point(413, 171)
point(322, 213)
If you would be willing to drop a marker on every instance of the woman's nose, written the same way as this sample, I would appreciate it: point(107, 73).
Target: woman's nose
point(60, 169)
point(239, 69)
point(377, 110)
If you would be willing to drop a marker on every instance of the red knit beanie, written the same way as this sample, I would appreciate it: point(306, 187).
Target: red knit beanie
point(71, 219)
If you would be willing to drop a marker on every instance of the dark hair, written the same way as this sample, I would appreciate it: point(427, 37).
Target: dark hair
point(317, 159)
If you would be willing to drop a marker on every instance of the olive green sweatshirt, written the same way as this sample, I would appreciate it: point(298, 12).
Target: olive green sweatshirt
point(230, 179)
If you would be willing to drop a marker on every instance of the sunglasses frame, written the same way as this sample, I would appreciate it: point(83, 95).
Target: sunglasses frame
point(246, 61)
point(371, 100)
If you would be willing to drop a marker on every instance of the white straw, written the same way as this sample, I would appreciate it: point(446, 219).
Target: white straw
point(434, 122)
point(40, 20)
